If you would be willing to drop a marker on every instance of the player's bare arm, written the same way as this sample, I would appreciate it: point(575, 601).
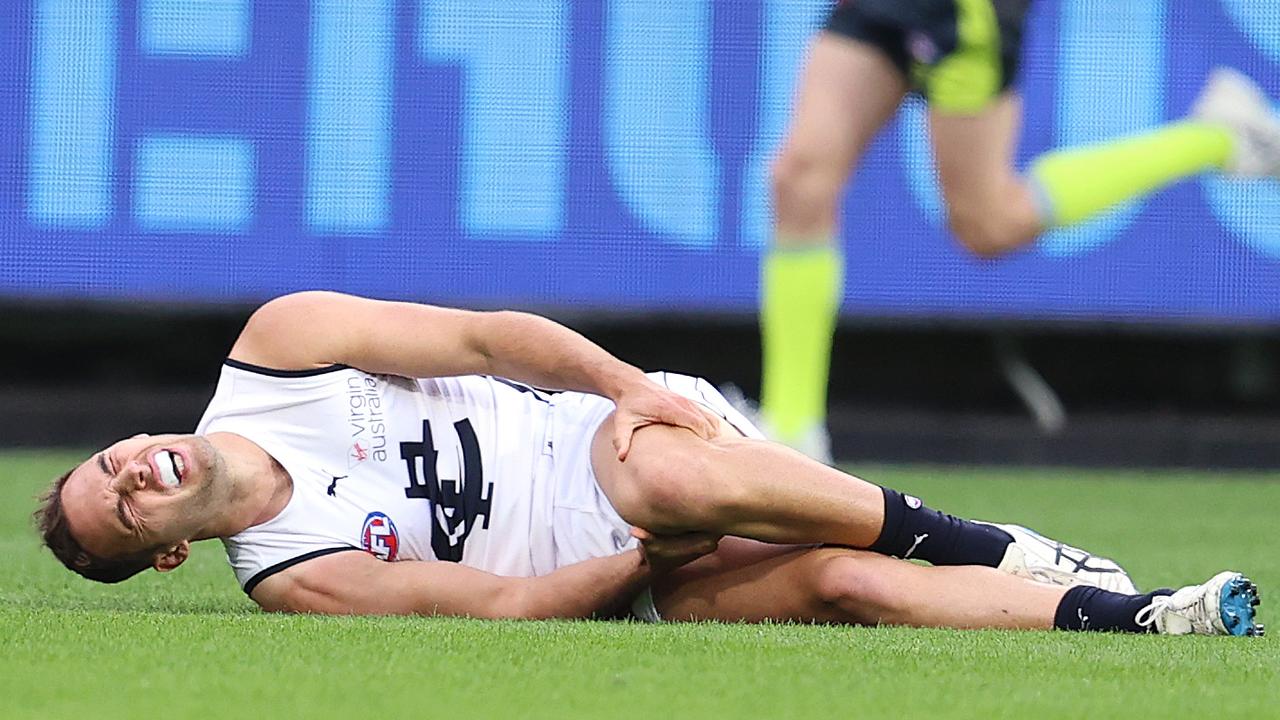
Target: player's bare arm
point(317, 329)
point(357, 583)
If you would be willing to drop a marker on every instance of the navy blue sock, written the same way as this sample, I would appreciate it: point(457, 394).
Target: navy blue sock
point(912, 530)
point(1091, 608)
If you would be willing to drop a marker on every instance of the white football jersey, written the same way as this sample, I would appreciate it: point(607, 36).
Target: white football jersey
point(477, 470)
point(434, 469)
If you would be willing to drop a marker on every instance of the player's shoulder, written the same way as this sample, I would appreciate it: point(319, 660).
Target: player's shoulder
point(282, 333)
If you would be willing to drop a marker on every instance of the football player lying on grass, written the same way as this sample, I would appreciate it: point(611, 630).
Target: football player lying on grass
point(361, 456)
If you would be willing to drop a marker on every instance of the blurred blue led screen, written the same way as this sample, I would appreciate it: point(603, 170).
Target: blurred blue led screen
point(606, 155)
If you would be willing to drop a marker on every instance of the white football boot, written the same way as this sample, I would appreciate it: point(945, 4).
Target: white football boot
point(1222, 606)
point(814, 442)
point(1230, 98)
point(1036, 557)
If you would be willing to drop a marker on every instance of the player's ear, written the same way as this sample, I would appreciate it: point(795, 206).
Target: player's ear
point(173, 557)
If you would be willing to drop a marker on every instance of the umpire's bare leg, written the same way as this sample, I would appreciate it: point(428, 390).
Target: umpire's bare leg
point(991, 208)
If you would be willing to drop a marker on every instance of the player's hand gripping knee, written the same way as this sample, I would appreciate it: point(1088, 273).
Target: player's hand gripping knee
point(665, 553)
point(648, 403)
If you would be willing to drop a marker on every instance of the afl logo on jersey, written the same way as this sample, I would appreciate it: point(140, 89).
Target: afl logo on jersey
point(379, 537)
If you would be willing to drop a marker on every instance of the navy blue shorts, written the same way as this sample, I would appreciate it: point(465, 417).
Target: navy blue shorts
point(960, 54)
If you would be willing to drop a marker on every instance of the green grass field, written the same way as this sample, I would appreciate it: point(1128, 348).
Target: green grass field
point(190, 645)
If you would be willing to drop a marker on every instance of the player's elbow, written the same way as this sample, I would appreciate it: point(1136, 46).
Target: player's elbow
point(522, 599)
point(489, 331)
point(288, 596)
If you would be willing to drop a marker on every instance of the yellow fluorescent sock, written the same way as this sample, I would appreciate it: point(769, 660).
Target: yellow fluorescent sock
point(800, 296)
point(1077, 183)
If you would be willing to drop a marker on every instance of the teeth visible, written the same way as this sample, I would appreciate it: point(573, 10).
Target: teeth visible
point(179, 466)
point(166, 462)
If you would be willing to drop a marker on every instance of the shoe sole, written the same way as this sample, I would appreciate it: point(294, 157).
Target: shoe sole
point(1237, 601)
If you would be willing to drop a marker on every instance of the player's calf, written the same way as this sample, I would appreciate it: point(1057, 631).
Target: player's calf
point(866, 589)
point(870, 589)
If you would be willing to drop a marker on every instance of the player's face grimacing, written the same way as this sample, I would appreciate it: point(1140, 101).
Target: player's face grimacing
point(141, 493)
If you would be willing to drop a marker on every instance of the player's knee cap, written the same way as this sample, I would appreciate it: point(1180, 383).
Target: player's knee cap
point(685, 488)
point(661, 482)
point(832, 576)
point(845, 580)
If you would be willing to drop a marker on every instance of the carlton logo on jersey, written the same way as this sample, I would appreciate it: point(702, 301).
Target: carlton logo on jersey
point(458, 505)
point(379, 538)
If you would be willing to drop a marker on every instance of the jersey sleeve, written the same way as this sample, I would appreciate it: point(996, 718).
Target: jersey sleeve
point(255, 559)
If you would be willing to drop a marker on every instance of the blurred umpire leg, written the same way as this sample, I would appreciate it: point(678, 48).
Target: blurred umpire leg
point(990, 208)
point(849, 89)
point(993, 209)
point(975, 128)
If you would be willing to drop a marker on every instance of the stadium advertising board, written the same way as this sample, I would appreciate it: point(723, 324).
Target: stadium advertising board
point(571, 153)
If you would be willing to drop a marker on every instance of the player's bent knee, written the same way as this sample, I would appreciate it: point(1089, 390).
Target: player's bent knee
point(676, 482)
point(849, 580)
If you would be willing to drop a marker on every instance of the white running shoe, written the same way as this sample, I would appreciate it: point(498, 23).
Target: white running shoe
point(814, 442)
point(1222, 606)
point(1036, 557)
point(1230, 98)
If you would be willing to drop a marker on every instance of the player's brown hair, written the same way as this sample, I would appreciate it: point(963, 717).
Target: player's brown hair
point(55, 531)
